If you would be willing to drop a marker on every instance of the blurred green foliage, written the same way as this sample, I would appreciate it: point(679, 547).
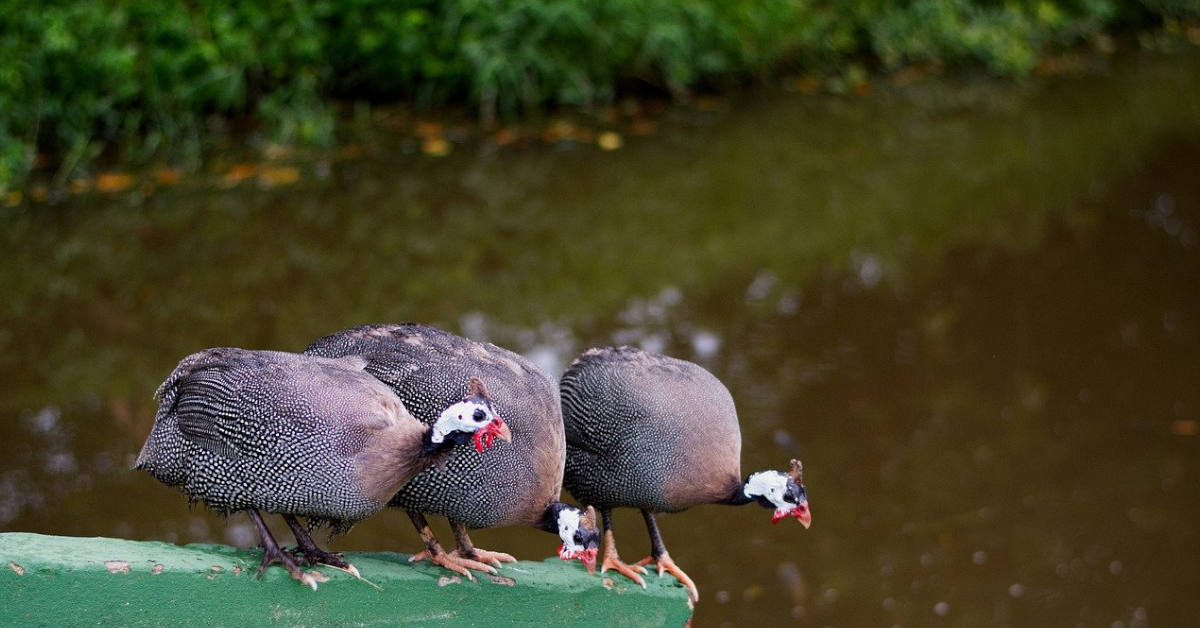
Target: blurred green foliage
point(148, 77)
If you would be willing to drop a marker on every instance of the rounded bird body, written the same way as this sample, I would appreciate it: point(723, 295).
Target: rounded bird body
point(517, 484)
point(659, 434)
point(501, 486)
point(648, 431)
point(294, 435)
point(280, 432)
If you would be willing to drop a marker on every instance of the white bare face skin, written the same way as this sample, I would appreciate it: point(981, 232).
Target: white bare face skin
point(771, 485)
point(568, 524)
point(460, 417)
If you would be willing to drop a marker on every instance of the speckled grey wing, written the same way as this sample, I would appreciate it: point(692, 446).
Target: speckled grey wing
point(211, 412)
point(647, 431)
point(282, 432)
point(428, 369)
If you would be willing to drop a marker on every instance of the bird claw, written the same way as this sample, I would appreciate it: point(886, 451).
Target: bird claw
point(486, 556)
point(309, 580)
point(665, 564)
point(629, 571)
point(350, 569)
point(456, 563)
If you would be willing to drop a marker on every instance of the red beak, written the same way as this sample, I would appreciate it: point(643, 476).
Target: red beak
point(485, 436)
point(800, 512)
point(586, 556)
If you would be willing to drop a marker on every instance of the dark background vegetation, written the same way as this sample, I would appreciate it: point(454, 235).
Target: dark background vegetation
point(142, 79)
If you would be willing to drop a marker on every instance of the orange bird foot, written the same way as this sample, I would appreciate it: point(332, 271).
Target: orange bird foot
point(666, 564)
point(453, 562)
point(485, 556)
point(612, 561)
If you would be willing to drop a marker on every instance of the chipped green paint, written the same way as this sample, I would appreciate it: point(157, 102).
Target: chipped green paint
point(59, 580)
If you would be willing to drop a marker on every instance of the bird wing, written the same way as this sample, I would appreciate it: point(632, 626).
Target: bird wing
point(236, 406)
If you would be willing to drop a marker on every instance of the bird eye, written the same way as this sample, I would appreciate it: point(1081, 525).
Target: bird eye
point(480, 415)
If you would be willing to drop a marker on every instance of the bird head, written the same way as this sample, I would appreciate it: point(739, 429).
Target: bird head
point(579, 534)
point(473, 416)
point(782, 491)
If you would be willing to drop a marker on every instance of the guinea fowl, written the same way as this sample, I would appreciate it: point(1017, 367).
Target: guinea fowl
point(517, 484)
point(659, 434)
point(300, 436)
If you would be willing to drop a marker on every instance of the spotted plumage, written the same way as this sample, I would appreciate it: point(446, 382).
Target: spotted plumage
point(290, 434)
point(648, 431)
point(659, 434)
point(511, 485)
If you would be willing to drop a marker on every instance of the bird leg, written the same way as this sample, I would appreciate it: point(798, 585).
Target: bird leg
point(612, 560)
point(469, 551)
point(436, 555)
point(272, 553)
point(313, 554)
point(659, 555)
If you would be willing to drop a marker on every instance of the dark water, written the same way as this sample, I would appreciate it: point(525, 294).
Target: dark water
point(973, 310)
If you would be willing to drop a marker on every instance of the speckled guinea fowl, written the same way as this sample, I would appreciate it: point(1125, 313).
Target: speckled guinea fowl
point(517, 484)
point(298, 436)
point(659, 434)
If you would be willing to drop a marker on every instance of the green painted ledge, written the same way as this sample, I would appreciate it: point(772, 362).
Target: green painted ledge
point(59, 580)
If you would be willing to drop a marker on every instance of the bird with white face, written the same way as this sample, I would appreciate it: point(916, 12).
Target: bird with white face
point(473, 415)
point(782, 491)
point(661, 435)
point(580, 537)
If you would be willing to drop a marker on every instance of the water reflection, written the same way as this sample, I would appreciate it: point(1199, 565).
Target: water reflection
point(978, 325)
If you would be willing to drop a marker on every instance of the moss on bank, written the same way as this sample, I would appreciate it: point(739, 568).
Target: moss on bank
point(142, 78)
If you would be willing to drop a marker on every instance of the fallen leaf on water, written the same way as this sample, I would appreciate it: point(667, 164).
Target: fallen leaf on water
point(505, 136)
point(278, 175)
point(643, 127)
point(113, 181)
point(428, 130)
point(167, 176)
point(609, 140)
point(1183, 427)
point(435, 147)
point(275, 152)
point(561, 130)
point(238, 173)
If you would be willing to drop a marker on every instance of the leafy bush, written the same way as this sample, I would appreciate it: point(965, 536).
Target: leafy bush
point(146, 76)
